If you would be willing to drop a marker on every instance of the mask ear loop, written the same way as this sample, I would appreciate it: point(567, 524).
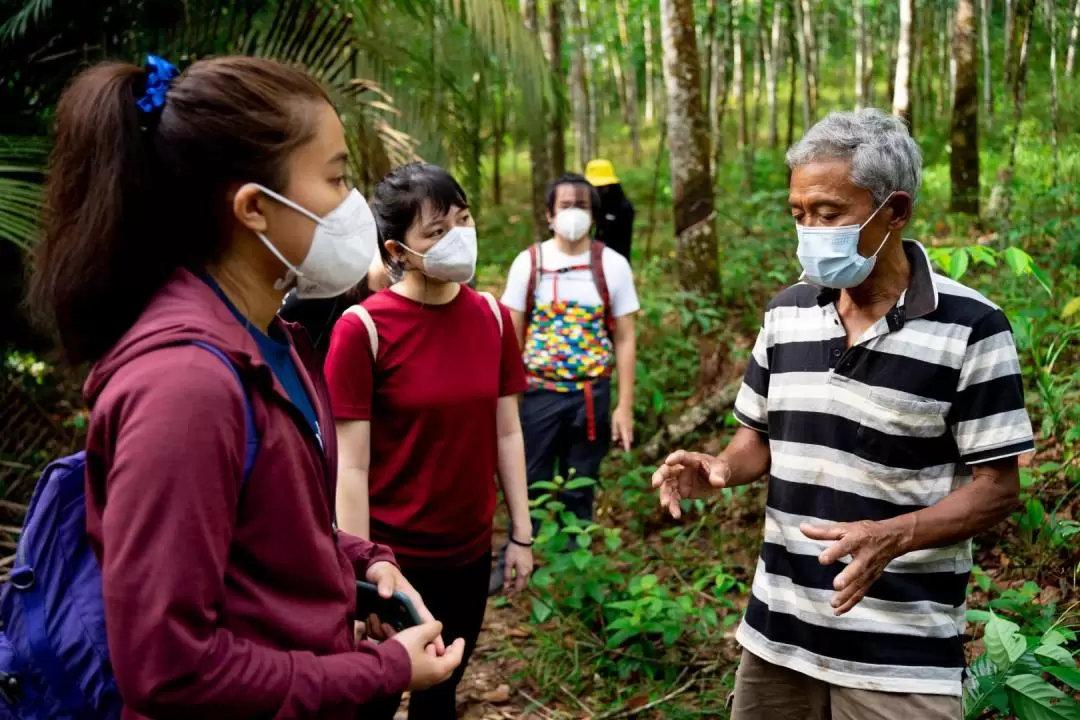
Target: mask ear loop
point(874, 215)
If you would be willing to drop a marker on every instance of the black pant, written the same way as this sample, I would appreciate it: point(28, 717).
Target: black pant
point(457, 597)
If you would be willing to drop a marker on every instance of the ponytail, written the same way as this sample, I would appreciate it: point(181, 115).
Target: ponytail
point(93, 268)
point(134, 193)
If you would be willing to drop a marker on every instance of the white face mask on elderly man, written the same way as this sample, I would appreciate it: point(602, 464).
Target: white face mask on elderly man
point(830, 255)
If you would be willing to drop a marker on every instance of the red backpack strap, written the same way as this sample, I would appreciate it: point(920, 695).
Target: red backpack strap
point(534, 277)
point(596, 262)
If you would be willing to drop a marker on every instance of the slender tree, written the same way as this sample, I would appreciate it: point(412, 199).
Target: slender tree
point(984, 41)
point(591, 82)
point(579, 87)
point(860, 53)
point(813, 60)
point(1074, 35)
point(688, 149)
point(1001, 197)
point(772, 70)
point(650, 66)
point(904, 59)
point(1051, 20)
point(711, 50)
point(557, 134)
point(1010, 42)
point(964, 158)
point(719, 89)
point(623, 11)
point(538, 144)
point(739, 70)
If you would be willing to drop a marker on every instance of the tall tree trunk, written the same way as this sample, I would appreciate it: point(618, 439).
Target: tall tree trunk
point(1010, 41)
point(901, 106)
point(720, 90)
point(622, 9)
point(538, 145)
point(760, 56)
point(868, 58)
point(710, 56)
point(579, 85)
point(557, 134)
point(804, 63)
point(949, 58)
point(772, 69)
point(1074, 35)
point(590, 83)
point(1051, 19)
point(964, 158)
point(1001, 197)
point(650, 66)
point(620, 86)
point(860, 53)
point(793, 73)
point(811, 66)
point(688, 148)
point(499, 133)
point(984, 41)
point(739, 70)
point(891, 49)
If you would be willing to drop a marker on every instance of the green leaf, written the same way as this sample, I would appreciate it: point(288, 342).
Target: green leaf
point(1071, 308)
point(1035, 699)
point(1055, 655)
point(671, 634)
point(1068, 675)
point(1004, 643)
point(581, 558)
point(622, 636)
point(581, 482)
point(1018, 261)
point(978, 616)
point(1054, 637)
point(648, 582)
point(540, 610)
point(959, 264)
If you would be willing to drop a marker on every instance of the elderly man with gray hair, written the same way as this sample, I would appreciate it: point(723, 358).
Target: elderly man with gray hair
point(884, 402)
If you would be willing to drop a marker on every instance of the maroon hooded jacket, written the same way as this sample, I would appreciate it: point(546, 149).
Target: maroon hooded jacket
point(221, 602)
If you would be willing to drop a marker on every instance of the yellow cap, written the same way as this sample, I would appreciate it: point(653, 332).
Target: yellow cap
point(600, 173)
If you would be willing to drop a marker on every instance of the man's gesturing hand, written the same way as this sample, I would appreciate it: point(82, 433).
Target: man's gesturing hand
point(428, 667)
point(871, 545)
point(687, 475)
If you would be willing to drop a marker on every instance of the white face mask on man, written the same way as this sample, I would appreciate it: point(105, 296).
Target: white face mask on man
point(572, 223)
point(342, 248)
point(451, 259)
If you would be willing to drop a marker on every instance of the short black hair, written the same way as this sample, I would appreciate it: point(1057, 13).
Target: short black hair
point(577, 181)
point(399, 198)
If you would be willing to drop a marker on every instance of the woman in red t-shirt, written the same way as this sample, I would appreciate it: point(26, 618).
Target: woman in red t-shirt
point(424, 379)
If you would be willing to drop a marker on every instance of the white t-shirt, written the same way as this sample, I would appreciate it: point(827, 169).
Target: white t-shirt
point(573, 286)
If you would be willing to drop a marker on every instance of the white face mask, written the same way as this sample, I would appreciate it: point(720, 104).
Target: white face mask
point(453, 258)
point(830, 255)
point(572, 223)
point(345, 241)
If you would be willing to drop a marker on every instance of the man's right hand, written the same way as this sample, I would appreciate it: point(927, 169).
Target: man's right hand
point(428, 666)
point(687, 475)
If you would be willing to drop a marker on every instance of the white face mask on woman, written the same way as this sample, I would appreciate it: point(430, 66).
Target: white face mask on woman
point(342, 248)
point(451, 259)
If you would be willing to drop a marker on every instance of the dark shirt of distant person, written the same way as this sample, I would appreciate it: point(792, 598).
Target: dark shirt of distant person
point(615, 217)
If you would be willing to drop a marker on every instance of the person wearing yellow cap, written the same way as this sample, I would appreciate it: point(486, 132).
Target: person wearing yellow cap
point(615, 218)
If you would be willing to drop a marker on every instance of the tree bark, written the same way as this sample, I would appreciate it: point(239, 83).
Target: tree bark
point(579, 86)
point(1051, 19)
point(710, 56)
point(557, 135)
point(984, 41)
point(860, 53)
point(772, 69)
point(688, 148)
point(1002, 195)
point(650, 66)
point(499, 133)
point(891, 49)
point(804, 63)
point(964, 158)
point(739, 70)
point(1010, 41)
point(1074, 35)
point(720, 91)
point(538, 145)
point(904, 59)
point(812, 61)
point(631, 80)
point(591, 77)
point(793, 72)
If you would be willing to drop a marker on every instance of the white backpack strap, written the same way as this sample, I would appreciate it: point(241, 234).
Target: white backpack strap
point(495, 310)
point(365, 317)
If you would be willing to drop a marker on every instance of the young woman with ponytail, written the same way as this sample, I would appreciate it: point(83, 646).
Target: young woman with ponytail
point(180, 210)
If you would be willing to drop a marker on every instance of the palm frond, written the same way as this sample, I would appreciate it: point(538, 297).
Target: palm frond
point(19, 22)
point(22, 162)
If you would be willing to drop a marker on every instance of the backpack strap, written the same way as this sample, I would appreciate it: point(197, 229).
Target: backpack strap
point(534, 281)
point(365, 317)
point(250, 431)
point(495, 310)
point(596, 263)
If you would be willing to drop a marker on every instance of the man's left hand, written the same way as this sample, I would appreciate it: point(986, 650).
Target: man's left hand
point(871, 545)
point(622, 427)
point(390, 580)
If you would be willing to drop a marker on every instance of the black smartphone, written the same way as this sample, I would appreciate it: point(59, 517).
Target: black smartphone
point(397, 611)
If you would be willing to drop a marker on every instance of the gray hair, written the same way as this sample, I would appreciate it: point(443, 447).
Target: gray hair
point(884, 158)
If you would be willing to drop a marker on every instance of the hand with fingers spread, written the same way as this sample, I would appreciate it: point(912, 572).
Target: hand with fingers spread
point(871, 545)
point(686, 475)
point(390, 580)
point(429, 667)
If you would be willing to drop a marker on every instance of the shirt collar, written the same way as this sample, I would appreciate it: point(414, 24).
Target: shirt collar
point(918, 300)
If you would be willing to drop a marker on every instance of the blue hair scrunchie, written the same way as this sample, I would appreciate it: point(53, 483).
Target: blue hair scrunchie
point(159, 76)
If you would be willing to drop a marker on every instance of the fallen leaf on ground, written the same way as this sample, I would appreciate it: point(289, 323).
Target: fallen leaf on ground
point(498, 696)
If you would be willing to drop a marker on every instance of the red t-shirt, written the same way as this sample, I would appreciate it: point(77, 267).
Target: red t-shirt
point(431, 400)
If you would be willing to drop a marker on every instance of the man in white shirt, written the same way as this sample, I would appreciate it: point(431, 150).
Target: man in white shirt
point(573, 303)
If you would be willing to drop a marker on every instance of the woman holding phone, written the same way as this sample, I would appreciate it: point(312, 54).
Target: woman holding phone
point(424, 379)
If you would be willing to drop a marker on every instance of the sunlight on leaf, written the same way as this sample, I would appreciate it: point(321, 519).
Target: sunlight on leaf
point(1004, 643)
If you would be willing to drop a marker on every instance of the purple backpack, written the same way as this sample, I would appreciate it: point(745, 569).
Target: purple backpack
point(54, 654)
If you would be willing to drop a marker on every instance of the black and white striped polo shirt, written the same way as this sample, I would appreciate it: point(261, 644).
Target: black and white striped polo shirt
point(888, 426)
